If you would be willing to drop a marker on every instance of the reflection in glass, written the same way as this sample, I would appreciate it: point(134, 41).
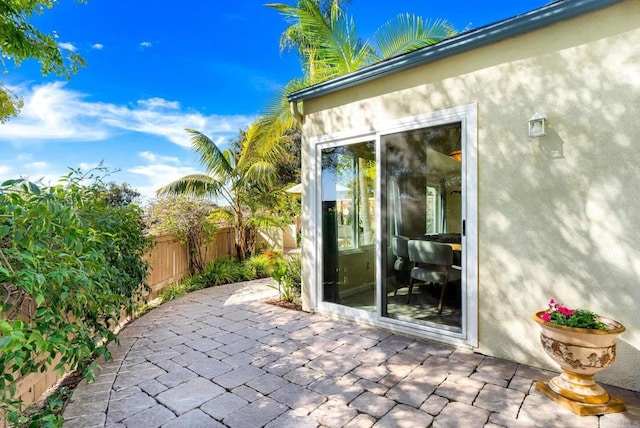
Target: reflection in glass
point(348, 225)
point(422, 200)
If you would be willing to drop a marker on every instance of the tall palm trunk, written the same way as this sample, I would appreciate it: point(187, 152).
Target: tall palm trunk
point(240, 229)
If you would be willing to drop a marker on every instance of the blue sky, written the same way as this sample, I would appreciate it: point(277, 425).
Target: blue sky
point(155, 68)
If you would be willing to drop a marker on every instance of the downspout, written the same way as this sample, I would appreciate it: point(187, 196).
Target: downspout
point(295, 111)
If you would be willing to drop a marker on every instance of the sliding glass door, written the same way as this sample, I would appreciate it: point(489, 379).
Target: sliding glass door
point(393, 202)
point(423, 223)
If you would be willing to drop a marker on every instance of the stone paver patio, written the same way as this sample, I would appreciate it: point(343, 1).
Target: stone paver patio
point(223, 357)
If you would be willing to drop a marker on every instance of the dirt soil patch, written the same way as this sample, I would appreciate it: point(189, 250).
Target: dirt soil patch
point(287, 305)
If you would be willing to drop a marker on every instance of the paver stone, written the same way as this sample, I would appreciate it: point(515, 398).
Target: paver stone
point(189, 395)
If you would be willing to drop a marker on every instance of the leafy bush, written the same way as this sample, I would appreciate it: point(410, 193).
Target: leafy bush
point(194, 283)
point(71, 267)
point(189, 220)
point(225, 271)
point(262, 264)
point(288, 274)
point(172, 292)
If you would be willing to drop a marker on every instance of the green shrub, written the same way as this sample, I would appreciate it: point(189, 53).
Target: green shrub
point(287, 271)
point(194, 283)
point(71, 267)
point(224, 271)
point(172, 292)
point(189, 220)
point(262, 264)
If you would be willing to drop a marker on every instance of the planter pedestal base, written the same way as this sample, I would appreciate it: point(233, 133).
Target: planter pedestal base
point(614, 405)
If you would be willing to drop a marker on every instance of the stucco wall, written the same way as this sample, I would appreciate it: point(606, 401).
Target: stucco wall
point(558, 216)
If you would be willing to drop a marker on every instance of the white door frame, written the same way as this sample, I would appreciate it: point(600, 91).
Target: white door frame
point(467, 116)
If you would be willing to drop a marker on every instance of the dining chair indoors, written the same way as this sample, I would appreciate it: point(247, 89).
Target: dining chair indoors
point(402, 264)
point(433, 264)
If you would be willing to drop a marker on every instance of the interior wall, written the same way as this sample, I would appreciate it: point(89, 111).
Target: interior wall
point(558, 216)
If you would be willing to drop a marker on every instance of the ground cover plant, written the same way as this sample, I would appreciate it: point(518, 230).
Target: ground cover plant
point(71, 268)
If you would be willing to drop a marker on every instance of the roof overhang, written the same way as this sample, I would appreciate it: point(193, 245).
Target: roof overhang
point(552, 13)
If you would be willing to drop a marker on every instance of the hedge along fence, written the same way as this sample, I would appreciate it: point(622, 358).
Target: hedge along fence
point(71, 265)
point(168, 264)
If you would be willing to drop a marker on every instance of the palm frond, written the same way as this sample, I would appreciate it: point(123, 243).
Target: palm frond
point(196, 185)
point(261, 171)
point(211, 157)
point(278, 117)
point(250, 147)
point(406, 33)
point(327, 42)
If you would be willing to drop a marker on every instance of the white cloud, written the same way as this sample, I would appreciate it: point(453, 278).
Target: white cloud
point(38, 171)
point(146, 44)
point(40, 165)
point(98, 46)
point(152, 103)
point(86, 166)
point(51, 113)
point(152, 157)
point(68, 46)
point(54, 113)
point(158, 175)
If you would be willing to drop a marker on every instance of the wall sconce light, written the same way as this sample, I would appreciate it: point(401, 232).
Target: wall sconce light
point(456, 155)
point(537, 124)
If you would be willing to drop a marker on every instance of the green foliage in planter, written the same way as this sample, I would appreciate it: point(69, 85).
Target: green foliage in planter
point(71, 267)
point(580, 318)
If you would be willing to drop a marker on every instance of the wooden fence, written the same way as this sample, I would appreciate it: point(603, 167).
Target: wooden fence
point(168, 264)
point(169, 259)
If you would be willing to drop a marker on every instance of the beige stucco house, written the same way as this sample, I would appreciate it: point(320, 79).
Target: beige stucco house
point(436, 146)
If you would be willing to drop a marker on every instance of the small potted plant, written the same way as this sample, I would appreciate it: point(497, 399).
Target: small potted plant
point(582, 343)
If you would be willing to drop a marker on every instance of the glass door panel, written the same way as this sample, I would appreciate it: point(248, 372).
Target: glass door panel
point(422, 202)
point(348, 225)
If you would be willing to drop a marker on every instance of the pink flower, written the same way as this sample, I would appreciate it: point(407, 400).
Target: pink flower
point(546, 317)
point(564, 311)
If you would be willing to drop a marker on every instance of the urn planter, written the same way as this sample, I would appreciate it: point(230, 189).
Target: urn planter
point(581, 353)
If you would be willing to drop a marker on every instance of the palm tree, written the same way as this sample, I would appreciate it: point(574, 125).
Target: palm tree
point(325, 39)
point(328, 45)
point(238, 177)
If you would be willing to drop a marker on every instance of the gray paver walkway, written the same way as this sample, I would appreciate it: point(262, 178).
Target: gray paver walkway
point(223, 357)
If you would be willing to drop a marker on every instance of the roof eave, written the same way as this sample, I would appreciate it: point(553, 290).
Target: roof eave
point(493, 33)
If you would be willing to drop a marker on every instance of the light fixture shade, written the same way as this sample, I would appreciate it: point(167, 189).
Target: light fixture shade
point(456, 155)
point(537, 124)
